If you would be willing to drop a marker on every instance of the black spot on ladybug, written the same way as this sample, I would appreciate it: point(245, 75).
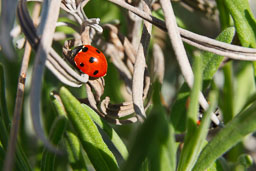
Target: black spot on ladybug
point(85, 49)
point(92, 59)
point(81, 64)
point(97, 51)
point(95, 72)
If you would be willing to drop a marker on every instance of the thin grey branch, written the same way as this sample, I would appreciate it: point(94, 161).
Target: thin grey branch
point(201, 42)
point(49, 18)
point(180, 52)
point(6, 24)
point(158, 63)
point(56, 64)
point(8, 164)
point(17, 110)
point(139, 68)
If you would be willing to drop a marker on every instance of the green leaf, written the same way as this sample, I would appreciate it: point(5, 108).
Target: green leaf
point(56, 133)
point(75, 154)
point(224, 16)
point(163, 155)
point(245, 85)
point(178, 110)
point(222, 164)
point(227, 102)
point(194, 139)
point(2, 156)
point(147, 140)
point(219, 165)
point(74, 150)
point(211, 61)
point(193, 108)
point(243, 124)
point(88, 134)
point(244, 20)
point(21, 161)
point(114, 137)
point(3, 135)
point(57, 104)
point(168, 152)
point(246, 160)
point(3, 105)
point(211, 64)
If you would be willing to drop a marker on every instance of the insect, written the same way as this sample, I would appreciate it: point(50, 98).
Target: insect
point(90, 60)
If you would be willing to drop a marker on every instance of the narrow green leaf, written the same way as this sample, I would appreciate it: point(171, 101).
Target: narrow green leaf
point(3, 135)
point(222, 164)
point(21, 161)
point(194, 144)
point(245, 85)
point(168, 153)
point(75, 154)
point(191, 144)
point(91, 140)
point(243, 124)
point(3, 104)
point(115, 139)
point(245, 23)
point(56, 133)
point(166, 150)
point(227, 104)
point(178, 110)
point(2, 156)
point(218, 166)
point(249, 101)
point(211, 61)
point(244, 20)
point(163, 155)
point(57, 103)
point(224, 16)
point(74, 150)
point(193, 108)
point(246, 160)
point(151, 134)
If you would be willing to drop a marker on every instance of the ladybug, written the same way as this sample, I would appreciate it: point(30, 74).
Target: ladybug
point(90, 61)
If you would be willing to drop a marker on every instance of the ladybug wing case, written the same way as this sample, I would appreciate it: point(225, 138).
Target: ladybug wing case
point(90, 60)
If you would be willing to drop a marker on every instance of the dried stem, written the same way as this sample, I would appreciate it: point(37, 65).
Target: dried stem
point(6, 23)
point(180, 52)
point(158, 63)
point(17, 110)
point(49, 18)
point(19, 100)
point(139, 68)
point(201, 42)
point(54, 62)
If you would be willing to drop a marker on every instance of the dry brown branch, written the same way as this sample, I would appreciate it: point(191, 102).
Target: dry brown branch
point(117, 47)
point(158, 63)
point(180, 52)
point(140, 66)
point(19, 100)
point(201, 42)
point(54, 62)
point(7, 20)
point(49, 16)
point(64, 73)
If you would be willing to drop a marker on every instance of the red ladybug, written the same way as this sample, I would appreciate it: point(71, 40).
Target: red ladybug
point(90, 61)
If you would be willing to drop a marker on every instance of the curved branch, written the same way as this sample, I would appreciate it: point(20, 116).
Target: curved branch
point(49, 18)
point(199, 41)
